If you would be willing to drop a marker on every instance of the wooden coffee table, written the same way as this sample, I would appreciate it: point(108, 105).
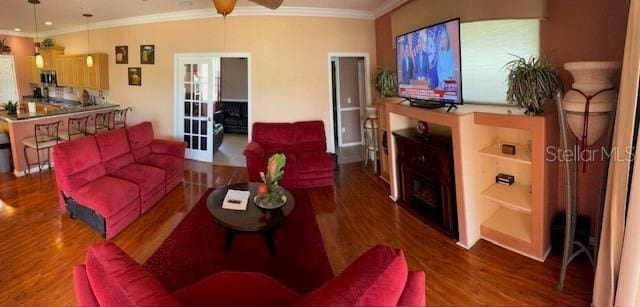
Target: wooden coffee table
point(254, 220)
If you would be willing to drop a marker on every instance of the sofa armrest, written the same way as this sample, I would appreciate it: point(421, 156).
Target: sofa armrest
point(254, 149)
point(256, 163)
point(173, 148)
point(84, 293)
point(414, 290)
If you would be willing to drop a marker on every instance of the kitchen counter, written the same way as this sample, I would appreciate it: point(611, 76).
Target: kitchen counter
point(51, 109)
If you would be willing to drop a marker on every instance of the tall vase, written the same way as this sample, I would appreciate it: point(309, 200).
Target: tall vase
point(589, 79)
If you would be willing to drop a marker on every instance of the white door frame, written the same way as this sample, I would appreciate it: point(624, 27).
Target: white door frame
point(176, 99)
point(367, 72)
point(15, 80)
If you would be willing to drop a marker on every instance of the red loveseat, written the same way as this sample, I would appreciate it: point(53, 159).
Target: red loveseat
point(305, 146)
point(379, 277)
point(110, 179)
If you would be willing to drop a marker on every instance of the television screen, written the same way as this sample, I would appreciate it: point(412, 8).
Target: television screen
point(429, 63)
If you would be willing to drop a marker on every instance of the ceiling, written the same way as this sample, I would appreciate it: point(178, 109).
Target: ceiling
point(68, 13)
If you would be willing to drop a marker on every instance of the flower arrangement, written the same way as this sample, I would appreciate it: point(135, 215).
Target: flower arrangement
point(270, 195)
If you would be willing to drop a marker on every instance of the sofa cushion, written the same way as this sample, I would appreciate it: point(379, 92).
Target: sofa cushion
point(309, 136)
point(78, 162)
point(377, 278)
point(140, 138)
point(171, 165)
point(146, 177)
point(230, 289)
point(107, 195)
point(117, 280)
point(274, 137)
point(114, 149)
point(413, 293)
point(309, 162)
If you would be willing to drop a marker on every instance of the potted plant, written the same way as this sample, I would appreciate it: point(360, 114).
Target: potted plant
point(531, 83)
point(11, 107)
point(270, 194)
point(386, 82)
point(46, 43)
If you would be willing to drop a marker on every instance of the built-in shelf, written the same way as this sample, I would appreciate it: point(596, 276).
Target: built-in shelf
point(511, 223)
point(515, 197)
point(523, 154)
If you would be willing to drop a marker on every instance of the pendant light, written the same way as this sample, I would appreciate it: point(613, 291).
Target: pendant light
point(89, 57)
point(224, 7)
point(36, 44)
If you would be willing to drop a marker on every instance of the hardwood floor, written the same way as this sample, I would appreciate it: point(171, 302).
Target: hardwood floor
point(39, 246)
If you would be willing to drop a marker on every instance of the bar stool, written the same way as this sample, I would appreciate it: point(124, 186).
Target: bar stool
point(75, 127)
point(370, 138)
point(120, 118)
point(102, 122)
point(44, 138)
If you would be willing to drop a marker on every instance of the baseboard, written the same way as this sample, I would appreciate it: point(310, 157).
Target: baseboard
point(33, 170)
point(544, 257)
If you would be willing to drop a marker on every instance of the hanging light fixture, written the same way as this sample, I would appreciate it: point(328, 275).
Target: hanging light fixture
point(36, 44)
point(89, 57)
point(224, 7)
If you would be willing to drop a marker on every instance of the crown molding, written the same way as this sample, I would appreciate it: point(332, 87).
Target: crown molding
point(206, 13)
point(388, 6)
point(15, 33)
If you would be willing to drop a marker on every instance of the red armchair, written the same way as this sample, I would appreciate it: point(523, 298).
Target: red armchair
point(110, 179)
point(378, 278)
point(305, 146)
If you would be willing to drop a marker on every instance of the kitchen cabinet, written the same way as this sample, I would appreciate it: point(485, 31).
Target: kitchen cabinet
point(72, 71)
point(34, 72)
point(49, 56)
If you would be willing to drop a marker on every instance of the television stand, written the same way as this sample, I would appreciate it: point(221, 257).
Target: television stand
point(430, 104)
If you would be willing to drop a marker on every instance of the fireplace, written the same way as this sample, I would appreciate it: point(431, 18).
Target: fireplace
point(427, 182)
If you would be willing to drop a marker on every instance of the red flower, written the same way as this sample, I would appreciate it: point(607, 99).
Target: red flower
point(263, 189)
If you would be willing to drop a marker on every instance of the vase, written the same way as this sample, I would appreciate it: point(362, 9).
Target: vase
point(273, 200)
point(591, 78)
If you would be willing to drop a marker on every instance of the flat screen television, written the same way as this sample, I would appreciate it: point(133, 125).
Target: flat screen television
point(429, 64)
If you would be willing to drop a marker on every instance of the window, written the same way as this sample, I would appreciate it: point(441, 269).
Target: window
point(486, 47)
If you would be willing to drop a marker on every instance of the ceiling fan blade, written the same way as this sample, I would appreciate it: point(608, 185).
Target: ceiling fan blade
point(272, 4)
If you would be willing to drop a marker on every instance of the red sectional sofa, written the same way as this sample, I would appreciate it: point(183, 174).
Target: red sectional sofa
point(305, 146)
point(380, 277)
point(110, 179)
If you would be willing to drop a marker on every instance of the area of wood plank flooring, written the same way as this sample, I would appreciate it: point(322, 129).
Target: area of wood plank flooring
point(39, 246)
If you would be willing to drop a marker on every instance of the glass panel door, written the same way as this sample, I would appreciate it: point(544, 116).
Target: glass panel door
point(196, 96)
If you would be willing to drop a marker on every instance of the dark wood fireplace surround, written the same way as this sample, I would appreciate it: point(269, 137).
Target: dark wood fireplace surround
point(427, 182)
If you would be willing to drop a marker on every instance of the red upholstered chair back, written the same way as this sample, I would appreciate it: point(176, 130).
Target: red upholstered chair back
point(309, 136)
point(140, 138)
point(114, 149)
point(117, 280)
point(78, 162)
point(274, 137)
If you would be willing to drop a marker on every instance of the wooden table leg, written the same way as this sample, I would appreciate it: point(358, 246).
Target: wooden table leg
point(228, 240)
point(268, 236)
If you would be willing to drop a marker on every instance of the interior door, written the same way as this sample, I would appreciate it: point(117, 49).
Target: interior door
point(8, 84)
point(196, 95)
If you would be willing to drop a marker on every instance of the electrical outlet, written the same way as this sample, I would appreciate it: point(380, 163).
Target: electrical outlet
point(349, 100)
point(344, 130)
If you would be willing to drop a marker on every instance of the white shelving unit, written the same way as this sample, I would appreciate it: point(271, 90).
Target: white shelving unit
point(523, 154)
point(510, 222)
point(516, 197)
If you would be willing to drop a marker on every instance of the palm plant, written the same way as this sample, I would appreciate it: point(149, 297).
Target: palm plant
point(531, 83)
point(11, 107)
point(385, 82)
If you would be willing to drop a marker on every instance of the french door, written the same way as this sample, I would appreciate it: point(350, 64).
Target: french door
point(197, 91)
